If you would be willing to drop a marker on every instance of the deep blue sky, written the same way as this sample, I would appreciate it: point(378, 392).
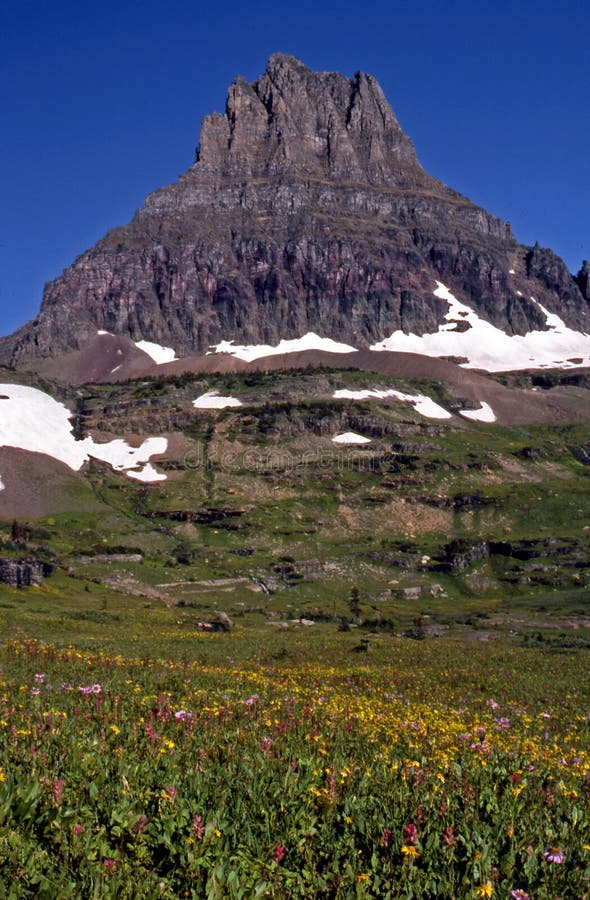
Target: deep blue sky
point(101, 103)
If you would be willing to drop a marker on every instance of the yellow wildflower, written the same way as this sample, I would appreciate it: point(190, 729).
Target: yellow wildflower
point(485, 890)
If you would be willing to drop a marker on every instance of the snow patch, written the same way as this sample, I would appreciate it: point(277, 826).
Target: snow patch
point(32, 420)
point(158, 353)
point(148, 473)
point(349, 437)
point(485, 413)
point(100, 331)
point(212, 400)
point(309, 341)
point(2, 485)
point(422, 404)
point(489, 348)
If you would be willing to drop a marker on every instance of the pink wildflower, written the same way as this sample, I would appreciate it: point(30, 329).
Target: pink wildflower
point(449, 839)
point(519, 894)
point(387, 836)
point(77, 829)
point(554, 855)
point(279, 853)
point(89, 688)
point(57, 790)
point(141, 824)
point(109, 864)
point(198, 827)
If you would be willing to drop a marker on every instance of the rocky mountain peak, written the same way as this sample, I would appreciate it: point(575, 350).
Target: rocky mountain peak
point(296, 121)
point(583, 279)
point(305, 211)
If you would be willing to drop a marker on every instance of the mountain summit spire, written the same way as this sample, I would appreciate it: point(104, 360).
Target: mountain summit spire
point(296, 121)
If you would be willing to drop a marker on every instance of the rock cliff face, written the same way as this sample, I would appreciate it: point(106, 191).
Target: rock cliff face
point(23, 572)
point(306, 210)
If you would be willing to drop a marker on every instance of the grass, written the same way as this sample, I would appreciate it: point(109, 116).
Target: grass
point(374, 760)
point(139, 757)
point(367, 516)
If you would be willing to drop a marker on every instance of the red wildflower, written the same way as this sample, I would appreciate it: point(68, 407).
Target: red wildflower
point(198, 827)
point(410, 834)
point(449, 839)
point(57, 790)
point(141, 824)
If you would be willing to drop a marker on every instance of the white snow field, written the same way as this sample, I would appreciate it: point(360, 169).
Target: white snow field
point(422, 404)
point(309, 341)
point(487, 347)
point(485, 413)
point(2, 485)
point(159, 354)
point(212, 400)
point(349, 437)
point(482, 345)
point(32, 420)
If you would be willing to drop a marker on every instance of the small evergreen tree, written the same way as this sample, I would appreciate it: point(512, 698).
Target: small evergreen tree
point(354, 602)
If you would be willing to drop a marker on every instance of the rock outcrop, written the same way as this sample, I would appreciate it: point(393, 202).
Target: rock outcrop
point(306, 210)
point(18, 573)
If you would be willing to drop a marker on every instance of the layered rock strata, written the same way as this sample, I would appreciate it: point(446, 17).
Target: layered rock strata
point(305, 210)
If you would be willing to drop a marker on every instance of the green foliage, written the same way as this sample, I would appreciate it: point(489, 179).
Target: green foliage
point(420, 777)
point(310, 788)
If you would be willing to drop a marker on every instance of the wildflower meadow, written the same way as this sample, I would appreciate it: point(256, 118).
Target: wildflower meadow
point(424, 771)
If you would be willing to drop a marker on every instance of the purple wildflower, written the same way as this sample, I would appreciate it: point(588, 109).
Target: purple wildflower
point(554, 855)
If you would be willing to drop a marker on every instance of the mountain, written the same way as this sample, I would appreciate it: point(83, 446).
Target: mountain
point(306, 210)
